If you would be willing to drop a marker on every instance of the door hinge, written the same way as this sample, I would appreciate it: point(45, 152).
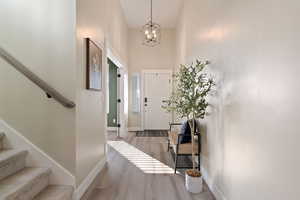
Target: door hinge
point(119, 125)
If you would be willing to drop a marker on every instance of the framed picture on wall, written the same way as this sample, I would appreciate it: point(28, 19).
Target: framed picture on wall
point(93, 66)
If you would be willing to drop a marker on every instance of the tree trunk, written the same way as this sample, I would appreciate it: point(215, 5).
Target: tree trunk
point(192, 127)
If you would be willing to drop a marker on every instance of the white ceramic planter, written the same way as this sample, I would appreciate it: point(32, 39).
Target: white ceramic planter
point(193, 184)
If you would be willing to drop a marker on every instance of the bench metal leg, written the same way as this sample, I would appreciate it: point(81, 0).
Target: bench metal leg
point(176, 158)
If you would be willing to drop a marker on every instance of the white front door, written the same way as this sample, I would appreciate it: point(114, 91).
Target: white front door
point(157, 88)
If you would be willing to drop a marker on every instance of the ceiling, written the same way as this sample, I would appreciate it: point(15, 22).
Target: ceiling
point(165, 12)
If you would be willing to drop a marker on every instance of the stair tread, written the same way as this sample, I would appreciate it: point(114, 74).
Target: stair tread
point(7, 154)
point(19, 179)
point(55, 192)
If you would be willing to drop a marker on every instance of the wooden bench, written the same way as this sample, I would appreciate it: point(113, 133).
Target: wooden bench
point(184, 149)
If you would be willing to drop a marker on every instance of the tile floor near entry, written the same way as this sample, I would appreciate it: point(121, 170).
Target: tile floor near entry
point(140, 168)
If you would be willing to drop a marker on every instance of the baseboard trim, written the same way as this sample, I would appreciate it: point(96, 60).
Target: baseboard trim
point(219, 195)
point(82, 188)
point(131, 129)
point(111, 128)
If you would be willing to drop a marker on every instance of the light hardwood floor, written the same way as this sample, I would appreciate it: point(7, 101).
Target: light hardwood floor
point(140, 168)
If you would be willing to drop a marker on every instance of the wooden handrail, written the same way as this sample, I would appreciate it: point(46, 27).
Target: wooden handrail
point(51, 92)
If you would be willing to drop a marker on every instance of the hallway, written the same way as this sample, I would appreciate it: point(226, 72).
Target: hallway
point(71, 71)
point(122, 179)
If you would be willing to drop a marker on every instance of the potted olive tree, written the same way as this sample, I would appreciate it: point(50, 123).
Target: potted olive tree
point(189, 100)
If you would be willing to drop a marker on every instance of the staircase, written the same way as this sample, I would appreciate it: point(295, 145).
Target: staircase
point(18, 182)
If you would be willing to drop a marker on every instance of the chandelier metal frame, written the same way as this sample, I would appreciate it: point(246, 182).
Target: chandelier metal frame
point(151, 31)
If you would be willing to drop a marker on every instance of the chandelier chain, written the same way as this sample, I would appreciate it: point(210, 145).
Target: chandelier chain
point(151, 13)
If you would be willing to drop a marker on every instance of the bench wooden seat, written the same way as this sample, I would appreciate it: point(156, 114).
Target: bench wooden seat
point(185, 148)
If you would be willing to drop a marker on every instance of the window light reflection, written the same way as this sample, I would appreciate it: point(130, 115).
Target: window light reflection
point(141, 160)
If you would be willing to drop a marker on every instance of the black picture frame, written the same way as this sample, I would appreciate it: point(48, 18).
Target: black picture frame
point(94, 62)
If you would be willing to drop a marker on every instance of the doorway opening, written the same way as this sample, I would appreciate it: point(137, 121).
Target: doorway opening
point(112, 116)
point(117, 94)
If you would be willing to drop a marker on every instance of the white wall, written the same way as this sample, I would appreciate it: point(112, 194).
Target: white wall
point(41, 35)
point(142, 57)
point(103, 22)
point(251, 143)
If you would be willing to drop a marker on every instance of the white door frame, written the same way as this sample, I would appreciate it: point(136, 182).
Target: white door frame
point(110, 53)
point(144, 72)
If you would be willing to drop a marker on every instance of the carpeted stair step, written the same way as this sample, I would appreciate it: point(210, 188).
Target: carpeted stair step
point(11, 161)
point(25, 184)
point(56, 192)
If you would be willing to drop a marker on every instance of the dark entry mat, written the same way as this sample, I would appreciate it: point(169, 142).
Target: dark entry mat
point(152, 133)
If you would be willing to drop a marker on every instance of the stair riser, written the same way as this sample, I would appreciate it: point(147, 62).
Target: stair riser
point(66, 197)
point(56, 193)
point(31, 188)
point(12, 166)
point(1, 140)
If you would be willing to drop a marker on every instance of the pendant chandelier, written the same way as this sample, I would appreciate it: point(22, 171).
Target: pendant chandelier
point(151, 32)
